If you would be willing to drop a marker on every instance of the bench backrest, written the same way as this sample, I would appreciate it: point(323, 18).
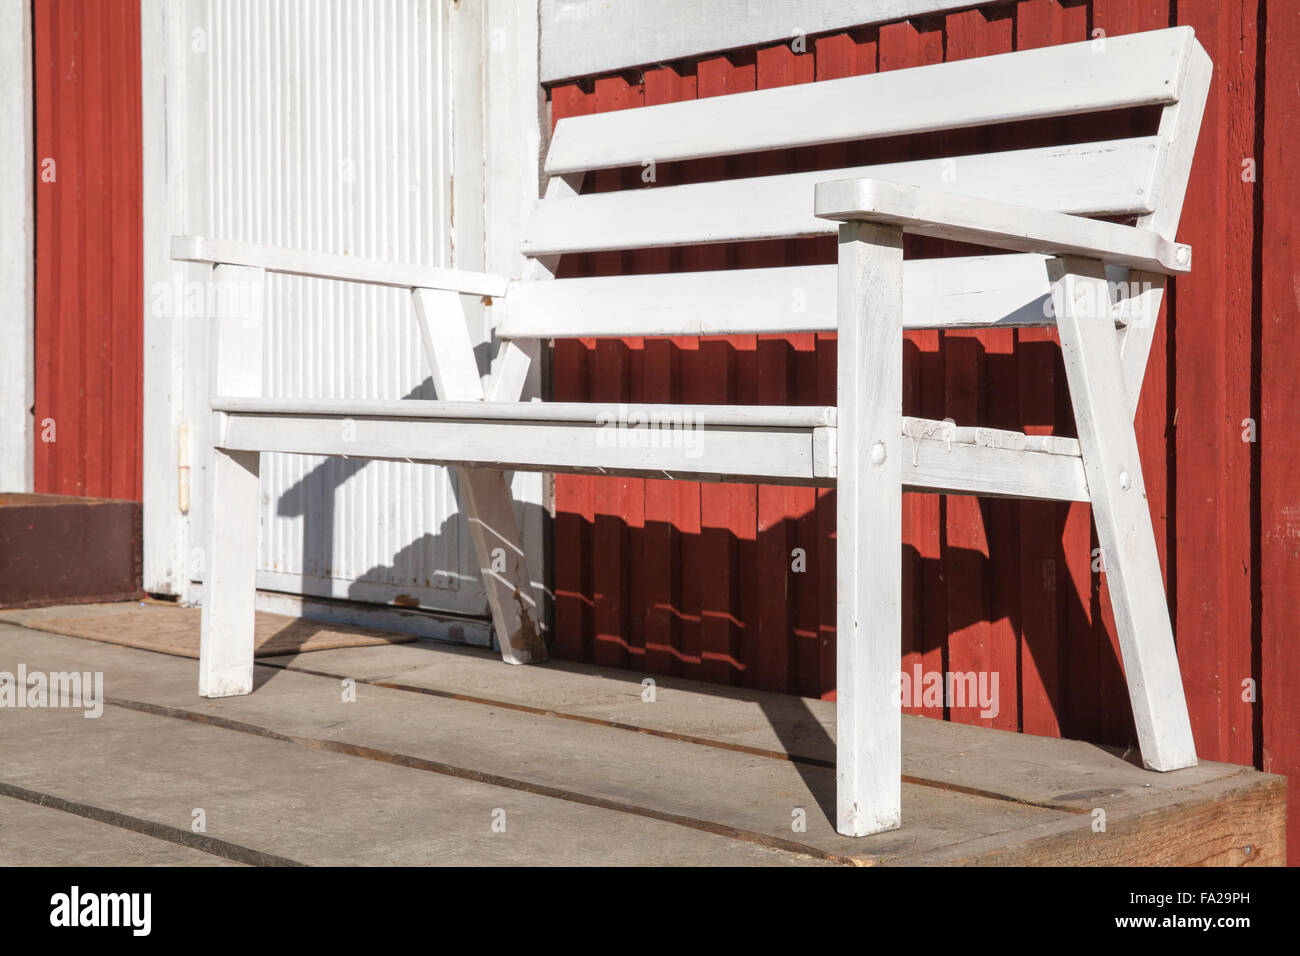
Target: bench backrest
point(1134, 176)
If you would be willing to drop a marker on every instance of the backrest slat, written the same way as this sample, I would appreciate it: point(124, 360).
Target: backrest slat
point(1121, 72)
point(1180, 124)
point(1110, 178)
point(1009, 291)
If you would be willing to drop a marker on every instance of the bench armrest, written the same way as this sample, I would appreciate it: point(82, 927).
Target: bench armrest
point(933, 212)
point(323, 265)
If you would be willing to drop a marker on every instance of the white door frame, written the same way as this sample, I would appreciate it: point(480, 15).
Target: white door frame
point(494, 60)
point(165, 478)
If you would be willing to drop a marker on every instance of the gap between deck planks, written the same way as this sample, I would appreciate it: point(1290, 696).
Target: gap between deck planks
point(1044, 789)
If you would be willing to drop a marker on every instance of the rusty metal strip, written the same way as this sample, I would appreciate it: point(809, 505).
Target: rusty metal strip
point(149, 828)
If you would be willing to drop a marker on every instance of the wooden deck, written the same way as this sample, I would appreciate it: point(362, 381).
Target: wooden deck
point(587, 770)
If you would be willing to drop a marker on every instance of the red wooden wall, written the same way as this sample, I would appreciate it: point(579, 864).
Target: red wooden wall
point(89, 281)
point(696, 580)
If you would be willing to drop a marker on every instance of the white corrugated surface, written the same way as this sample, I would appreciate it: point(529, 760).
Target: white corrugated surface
point(327, 130)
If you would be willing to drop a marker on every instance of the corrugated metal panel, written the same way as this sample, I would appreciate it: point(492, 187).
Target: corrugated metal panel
point(89, 297)
point(326, 129)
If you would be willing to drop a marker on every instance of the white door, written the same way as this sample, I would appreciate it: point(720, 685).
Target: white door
point(329, 125)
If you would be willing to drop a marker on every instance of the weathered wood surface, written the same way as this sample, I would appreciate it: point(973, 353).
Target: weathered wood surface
point(730, 766)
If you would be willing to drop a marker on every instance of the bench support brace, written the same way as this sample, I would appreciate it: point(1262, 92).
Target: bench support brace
point(1103, 414)
point(484, 493)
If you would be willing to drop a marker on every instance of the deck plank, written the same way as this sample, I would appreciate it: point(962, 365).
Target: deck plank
point(705, 772)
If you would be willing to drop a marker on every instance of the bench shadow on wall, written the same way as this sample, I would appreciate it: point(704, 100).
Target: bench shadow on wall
point(314, 499)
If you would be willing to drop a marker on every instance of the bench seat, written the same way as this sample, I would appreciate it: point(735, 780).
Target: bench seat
point(780, 445)
point(739, 443)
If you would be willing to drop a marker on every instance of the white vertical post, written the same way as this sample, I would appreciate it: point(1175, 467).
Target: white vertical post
point(230, 586)
point(486, 495)
point(167, 165)
point(869, 529)
point(1131, 564)
point(17, 238)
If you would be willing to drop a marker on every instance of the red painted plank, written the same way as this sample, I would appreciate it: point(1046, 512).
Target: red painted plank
point(1279, 421)
point(727, 512)
point(1200, 303)
point(1002, 517)
point(1091, 662)
point(1109, 19)
point(1042, 703)
point(89, 295)
point(1058, 598)
point(617, 501)
point(60, 463)
point(89, 337)
point(1214, 316)
point(663, 540)
point(777, 513)
point(91, 173)
point(977, 551)
point(574, 515)
point(837, 56)
point(903, 45)
point(801, 503)
point(126, 306)
point(684, 505)
point(742, 500)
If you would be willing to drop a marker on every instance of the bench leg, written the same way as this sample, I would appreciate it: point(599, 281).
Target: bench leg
point(226, 635)
point(485, 494)
point(1131, 564)
point(489, 508)
point(868, 529)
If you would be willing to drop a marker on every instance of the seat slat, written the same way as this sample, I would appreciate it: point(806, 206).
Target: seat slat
point(948, 458)
point(992, 472)
point(584, 413)
point(1119, 72)
point(1112, 178)
point(1006, 291)
point(950, 433)
point(754, 453)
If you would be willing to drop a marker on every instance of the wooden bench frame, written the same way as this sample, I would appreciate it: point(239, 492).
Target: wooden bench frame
point(1033, 203)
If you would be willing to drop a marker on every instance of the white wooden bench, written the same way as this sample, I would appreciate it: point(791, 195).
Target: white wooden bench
point(1063, 213)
